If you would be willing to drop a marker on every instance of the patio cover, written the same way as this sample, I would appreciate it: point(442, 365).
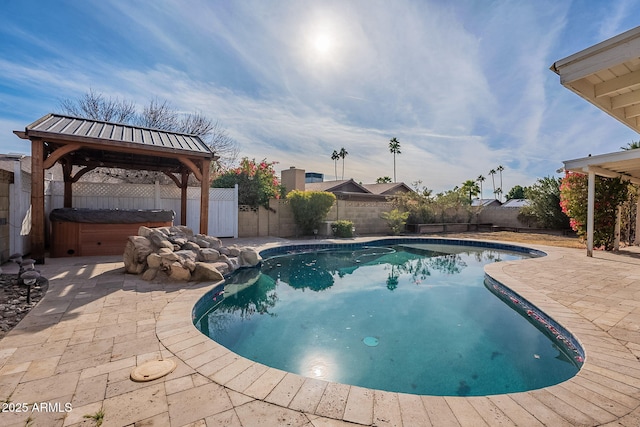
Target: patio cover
point(88, 144)
point(608, 76)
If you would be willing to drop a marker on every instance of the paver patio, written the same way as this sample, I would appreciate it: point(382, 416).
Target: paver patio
point(96, 323)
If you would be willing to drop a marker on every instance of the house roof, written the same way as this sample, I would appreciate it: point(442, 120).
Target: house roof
point(344, 185)
point(485, 202)
point(625, 164)
point(388, 188)
point(608, 76)
point(516, 203)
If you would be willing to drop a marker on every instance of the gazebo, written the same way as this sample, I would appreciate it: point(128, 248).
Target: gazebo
point(608, 76)
point(89, 144)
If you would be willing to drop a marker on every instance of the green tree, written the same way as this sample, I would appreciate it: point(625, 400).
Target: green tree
point(310, 208)
point(257, 182)
point(343, 153)
point(609, 194)
point(471, 188)
point(544, 204)
point(516, 192)
point(383, 180)
point(335, 156)
point(394, 148)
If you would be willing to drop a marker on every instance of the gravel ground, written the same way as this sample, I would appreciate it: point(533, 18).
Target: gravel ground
point(13, 300)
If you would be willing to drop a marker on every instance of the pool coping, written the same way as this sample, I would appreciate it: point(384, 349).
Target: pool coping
point(176, 331)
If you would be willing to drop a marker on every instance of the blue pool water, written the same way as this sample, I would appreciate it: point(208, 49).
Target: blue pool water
point(413, 317)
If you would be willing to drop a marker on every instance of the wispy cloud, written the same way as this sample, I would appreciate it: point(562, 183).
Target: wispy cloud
point(464, 86)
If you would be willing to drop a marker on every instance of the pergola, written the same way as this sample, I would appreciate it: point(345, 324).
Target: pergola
point(608, 76)
point(89, 144)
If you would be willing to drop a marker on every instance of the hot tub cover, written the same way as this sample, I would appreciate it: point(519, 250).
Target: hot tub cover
point(110, 216)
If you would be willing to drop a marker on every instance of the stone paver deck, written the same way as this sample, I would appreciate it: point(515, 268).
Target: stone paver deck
point(80, 343)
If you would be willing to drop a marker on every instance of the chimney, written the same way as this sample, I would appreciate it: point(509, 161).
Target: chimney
point(292, 179)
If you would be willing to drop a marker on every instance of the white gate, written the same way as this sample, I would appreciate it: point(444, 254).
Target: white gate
point(19, 202)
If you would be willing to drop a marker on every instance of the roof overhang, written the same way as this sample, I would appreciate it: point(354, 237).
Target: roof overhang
point(624, 164)
point(608, 76)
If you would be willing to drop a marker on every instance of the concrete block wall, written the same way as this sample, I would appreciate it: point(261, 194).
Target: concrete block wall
point(278, 221)
point(6, 178)
point(503, 217)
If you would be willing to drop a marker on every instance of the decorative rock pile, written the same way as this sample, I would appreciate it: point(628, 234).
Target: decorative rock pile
point(175, 253)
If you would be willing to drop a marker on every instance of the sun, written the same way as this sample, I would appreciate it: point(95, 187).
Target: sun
point(322, 44)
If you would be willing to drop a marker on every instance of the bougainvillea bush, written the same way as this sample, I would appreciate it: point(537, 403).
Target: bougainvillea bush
point(257, 182)
point(609, 193)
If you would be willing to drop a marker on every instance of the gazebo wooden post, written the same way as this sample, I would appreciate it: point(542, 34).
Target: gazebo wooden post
point(204, 196)
point(67, 169)
point(37, 237)
point(183, 197)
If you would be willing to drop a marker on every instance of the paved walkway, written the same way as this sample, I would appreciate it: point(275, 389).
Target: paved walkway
point(80, 343)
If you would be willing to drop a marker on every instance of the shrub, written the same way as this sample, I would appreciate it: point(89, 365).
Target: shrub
point(544, 208)
point(396, 220)
point(257, 182)
point(609, 193)
point(343, 228)
point(310, 208)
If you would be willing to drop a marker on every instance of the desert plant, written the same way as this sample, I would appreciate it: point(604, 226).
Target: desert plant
point(343, 228)
point(396, 220)
point(310, 208)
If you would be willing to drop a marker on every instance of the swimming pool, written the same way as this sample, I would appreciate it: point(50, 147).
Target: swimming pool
point(405, 315)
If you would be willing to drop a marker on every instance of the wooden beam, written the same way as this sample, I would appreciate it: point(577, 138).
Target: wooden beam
point(625, 100)
point(67, 169)
point(192, 167)
point(632, 111)
point(57, 154)
point(173, 178)
point(204, 196)
point(183, 197)
point(37, 237)
point(626, 81)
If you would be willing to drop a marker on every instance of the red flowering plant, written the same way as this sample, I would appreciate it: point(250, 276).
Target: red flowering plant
point(609, 194)
point(257, 182)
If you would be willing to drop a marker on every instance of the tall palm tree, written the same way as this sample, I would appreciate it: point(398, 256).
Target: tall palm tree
point(343, 153)
point(335, 156)
point(500, 168)
point(492, 172)
point(394, 148)
point(480, 180)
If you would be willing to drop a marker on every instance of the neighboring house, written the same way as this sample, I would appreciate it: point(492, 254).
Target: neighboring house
point(348, 189)
point(494, 203)
point(516, 203)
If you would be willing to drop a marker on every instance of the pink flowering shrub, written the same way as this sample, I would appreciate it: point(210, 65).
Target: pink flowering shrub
point(257, 182)
point(609, 193)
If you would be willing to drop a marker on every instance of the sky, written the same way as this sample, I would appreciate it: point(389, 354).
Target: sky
point(464, 85)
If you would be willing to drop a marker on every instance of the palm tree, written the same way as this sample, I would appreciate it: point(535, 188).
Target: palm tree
point(343, 153)
point(471, 187)
point(500, 168)
point(335, 156)
point(631, 145)
point(492, 172)
point(480, 180)
point(394, 148)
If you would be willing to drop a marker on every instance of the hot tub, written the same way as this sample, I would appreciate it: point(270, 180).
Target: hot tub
point(89, 232)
